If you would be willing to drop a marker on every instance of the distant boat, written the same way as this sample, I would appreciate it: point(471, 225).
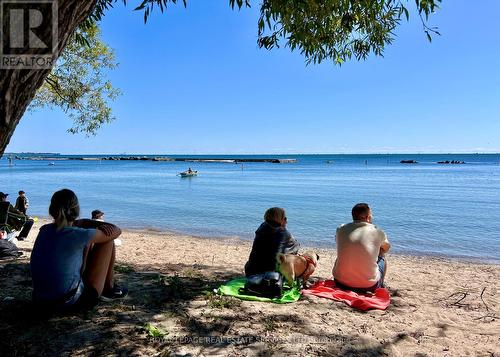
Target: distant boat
point(188, 173)
point(451, 162)
point(408, 162)
point(51, 163)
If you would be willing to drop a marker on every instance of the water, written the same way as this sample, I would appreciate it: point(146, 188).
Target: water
point(426, 209)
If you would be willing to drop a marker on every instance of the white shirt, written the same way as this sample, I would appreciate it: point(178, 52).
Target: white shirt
point(358, 247)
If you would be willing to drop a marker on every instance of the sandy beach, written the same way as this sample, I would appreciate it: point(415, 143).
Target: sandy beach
point(439, 307)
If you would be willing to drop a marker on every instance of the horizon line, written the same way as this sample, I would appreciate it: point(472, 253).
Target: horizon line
point(267, 154)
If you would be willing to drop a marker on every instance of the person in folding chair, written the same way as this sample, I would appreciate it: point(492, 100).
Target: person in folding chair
point(6, 231)
point(16, 220)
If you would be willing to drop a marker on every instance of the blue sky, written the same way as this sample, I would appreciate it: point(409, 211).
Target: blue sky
point(194, 81)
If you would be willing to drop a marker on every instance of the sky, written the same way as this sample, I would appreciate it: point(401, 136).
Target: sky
point(195, 82)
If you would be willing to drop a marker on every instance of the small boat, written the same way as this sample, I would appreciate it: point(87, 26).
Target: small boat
point(188, 173)
point(51, 164)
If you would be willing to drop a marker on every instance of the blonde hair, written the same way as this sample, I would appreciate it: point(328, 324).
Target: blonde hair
point(274, 214)
point(64, 208)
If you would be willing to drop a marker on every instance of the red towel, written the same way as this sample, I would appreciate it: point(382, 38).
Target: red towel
point(380, 299)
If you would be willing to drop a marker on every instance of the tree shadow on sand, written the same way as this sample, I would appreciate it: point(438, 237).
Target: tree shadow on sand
point(115, 327)
point(188, 318)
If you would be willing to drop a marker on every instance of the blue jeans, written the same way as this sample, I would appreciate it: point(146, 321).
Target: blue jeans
point(381, 268)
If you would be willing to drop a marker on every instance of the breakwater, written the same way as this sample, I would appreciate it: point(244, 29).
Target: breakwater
point(161, 158)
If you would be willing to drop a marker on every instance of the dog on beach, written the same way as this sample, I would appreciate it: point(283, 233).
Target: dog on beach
point(293, 266)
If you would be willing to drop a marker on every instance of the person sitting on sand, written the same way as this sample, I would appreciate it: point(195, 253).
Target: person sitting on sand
point(271, 238)
point(361, 248)
point(22, 202)
point(72, 260)
point(98, 215)
point(16, 219)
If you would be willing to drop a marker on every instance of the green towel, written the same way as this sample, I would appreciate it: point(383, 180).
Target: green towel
point(232, 288)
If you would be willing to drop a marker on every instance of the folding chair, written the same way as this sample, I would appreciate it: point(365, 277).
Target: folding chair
point(4, 226)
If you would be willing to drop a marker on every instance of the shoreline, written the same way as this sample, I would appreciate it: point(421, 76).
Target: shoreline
point(228, 238)
point(438, 307)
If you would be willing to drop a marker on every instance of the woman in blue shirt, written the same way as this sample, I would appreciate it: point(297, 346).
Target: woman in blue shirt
point(72, 260)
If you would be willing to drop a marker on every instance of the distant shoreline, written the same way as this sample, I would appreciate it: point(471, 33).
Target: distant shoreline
point(233, 155)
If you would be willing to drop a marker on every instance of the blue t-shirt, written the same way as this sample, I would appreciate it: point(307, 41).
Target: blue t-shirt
point(56, 260)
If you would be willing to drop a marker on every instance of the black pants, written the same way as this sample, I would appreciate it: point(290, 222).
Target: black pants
point(26, 228)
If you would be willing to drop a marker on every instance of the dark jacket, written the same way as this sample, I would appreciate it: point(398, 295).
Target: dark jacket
point(15, 218)
point(21, 204)
point(270, 239)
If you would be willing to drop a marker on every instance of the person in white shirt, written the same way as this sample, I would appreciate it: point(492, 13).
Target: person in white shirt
point(361, 249)
point(98, 215)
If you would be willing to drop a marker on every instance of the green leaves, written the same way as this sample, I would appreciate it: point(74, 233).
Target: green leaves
point(148, 5)
point(78, 84)
point(335, 30)
point(154, 331)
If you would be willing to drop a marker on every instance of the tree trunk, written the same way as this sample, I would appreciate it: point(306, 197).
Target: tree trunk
point(18, 86)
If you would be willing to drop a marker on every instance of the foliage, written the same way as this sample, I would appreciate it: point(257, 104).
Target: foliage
point(154, 331)
point(78, 83)
point(123, 269)
point(335, 30)
point(216, 301)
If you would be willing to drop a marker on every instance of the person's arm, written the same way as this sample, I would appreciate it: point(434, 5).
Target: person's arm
point(289, 244)
point(18, 202)
point(105, 232)
point(385, 245)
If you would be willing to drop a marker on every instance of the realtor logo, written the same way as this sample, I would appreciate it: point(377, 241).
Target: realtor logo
point(28, 34)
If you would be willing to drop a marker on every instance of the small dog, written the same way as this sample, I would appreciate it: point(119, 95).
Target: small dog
point(293, 266)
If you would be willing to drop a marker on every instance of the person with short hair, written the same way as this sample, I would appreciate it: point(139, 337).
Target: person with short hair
point(361, 249)
point(98, 215)
point(22, 202)
point(271, 238)
point(72, 260)
point(17, 220)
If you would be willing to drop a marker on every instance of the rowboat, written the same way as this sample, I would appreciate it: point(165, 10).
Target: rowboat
point(188, 173)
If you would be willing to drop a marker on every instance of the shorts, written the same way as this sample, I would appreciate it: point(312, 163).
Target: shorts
point(381, 269)
point(80, 298)
point(83, 299)
point(378, 284)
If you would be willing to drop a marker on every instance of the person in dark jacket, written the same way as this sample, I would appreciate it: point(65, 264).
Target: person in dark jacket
point(16, 219)
point(271, 238)
point(22, 202)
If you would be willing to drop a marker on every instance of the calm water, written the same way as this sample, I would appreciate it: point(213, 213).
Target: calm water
point(425, 208)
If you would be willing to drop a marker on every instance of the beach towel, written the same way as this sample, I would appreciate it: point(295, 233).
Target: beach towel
point(235, 288)
point(380, 299)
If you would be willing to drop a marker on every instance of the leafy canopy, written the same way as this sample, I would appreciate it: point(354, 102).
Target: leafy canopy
point(335, 30)
point(78, 82)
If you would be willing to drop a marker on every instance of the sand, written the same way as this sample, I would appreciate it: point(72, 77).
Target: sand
point(439, 307)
